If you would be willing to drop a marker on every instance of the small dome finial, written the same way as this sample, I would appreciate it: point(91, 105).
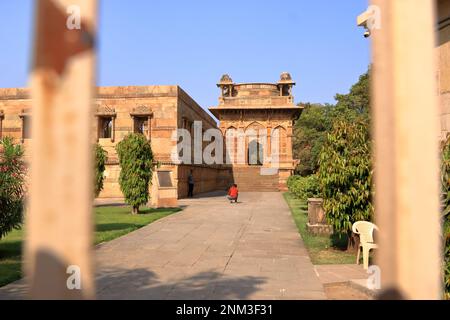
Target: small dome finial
point(226, 79)
point(285, 76)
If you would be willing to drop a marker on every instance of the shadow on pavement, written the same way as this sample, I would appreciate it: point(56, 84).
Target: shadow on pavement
point(144, 284)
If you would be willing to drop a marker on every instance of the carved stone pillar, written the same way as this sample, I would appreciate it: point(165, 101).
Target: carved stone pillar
point(289, 135)
point(149, 127)
point(269, 142)
point(23, 116)
point(2, 116)
point(113, 128)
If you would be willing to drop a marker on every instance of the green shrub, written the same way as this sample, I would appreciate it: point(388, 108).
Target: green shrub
point(445, 183)
point(345, 176)
point(304, 187)
point(136, 163)
point(100, 156)
point(291, 181)
point(12, 185)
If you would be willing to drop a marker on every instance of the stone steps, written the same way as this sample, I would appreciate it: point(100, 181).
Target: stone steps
point(250, 179)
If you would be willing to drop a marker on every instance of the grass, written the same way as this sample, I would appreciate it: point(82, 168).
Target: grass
point(322, 249)
point(110, 223)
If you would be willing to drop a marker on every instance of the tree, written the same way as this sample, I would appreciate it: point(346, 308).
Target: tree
point(309, 135)
point(317, 120)
point(12, 185)
point(136, 163)
point(100, 156)
point(345, 176)
point(356, 103)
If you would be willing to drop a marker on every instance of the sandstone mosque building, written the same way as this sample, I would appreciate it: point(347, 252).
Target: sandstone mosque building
point(158, 111)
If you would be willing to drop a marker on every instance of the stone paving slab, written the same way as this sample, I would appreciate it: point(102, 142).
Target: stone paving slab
point(210, 250)
point(334, 273)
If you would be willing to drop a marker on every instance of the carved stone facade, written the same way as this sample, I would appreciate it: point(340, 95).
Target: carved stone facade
point(262, 112)
point(158, 111)
point(155, 111)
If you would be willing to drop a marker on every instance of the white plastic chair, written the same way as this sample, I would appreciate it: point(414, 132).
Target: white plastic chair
point(365, 231)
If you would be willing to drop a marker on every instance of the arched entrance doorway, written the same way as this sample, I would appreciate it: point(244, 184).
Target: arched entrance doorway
point(255, 153)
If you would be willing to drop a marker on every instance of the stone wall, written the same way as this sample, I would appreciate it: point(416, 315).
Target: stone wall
point(14, 102)
point(161, 100)
point(206, 178)
point(124, 102)
point(162, 107)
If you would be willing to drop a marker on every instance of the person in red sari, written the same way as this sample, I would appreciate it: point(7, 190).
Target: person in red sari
point(233, 193)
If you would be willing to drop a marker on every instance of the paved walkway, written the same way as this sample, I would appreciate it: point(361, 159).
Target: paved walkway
point(211, 250)
point(338, 273)
point(345, 282)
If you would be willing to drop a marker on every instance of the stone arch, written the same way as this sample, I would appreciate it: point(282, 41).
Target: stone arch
point(256, 141)
point(255, 154)
point(231, 144)
point(254, 125)
point(279, 142)
point(230, 128)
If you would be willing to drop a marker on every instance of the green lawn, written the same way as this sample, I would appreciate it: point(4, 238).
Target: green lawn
point(322, 249)
point(111, 222)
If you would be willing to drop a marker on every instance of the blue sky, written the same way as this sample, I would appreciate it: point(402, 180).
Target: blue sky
point(192, 43)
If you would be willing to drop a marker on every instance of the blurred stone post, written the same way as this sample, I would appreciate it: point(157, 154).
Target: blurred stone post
point(406, 131)
point(59, 222)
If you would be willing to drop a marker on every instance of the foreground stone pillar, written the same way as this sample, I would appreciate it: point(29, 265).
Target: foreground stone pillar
point(59, 223)
point(405, 113)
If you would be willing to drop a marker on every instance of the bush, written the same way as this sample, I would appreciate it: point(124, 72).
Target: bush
point(12, 182)
point(304, 187)
point(292, 180)
point(100, 156)
point(345, 176)
point(136, 163)
point(445, 183)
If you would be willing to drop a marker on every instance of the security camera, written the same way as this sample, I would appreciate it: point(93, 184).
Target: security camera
point(367, 33)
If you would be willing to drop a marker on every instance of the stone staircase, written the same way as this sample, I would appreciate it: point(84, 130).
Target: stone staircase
point(250, 179)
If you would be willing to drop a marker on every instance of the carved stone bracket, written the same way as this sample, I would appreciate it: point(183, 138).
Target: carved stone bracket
point(141, 111)
point(105, 111)
point(25, 113)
